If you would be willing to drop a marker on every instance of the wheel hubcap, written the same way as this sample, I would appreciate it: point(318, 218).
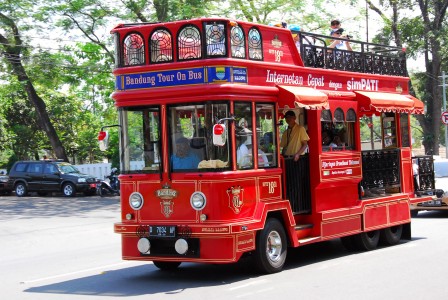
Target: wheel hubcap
point(274, 246)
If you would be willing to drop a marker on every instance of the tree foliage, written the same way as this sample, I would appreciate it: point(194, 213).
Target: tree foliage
point(57, 56)
point(423, 34)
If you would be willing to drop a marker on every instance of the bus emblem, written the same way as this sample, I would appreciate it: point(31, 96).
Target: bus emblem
point(167, 207)
point(220, 73)
point(235, 201)
point(166, 193)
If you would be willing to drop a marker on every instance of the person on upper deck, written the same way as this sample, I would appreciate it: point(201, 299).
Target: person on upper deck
point(340, 44)
point(334, 25)
point(294, 139)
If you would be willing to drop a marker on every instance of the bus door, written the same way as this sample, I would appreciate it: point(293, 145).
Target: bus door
point(297, 173)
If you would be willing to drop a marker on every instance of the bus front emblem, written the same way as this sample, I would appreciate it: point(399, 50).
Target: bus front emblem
point(166, 194)
point(167, 207)
point(235, 198)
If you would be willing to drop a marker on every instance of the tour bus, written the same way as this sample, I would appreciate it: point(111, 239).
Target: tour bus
point(193, 94)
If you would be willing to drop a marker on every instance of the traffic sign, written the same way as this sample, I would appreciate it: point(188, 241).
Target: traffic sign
point(444, 117)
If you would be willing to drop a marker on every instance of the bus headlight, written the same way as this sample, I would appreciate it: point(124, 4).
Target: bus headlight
point(136, 200)
point(198, 200)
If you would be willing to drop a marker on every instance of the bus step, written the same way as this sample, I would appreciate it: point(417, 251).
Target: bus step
point(303, 230)
point(309, 240)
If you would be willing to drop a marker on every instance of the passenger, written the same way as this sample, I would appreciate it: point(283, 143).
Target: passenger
point(339, 44)
point(295, 28)
point(294, 139)
point(326, 138)
point(334, 25)
point(336, 142)
point(243, 153)
point(184, 158)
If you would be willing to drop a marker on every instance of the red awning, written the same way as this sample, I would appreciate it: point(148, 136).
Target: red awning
point(419, 106)
point(386, 102)
point(299, 96)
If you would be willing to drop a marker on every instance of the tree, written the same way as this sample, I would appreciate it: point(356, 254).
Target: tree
point(423, 34)
point(12, 46)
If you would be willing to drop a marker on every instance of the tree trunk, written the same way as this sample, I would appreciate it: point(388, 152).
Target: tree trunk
point(41, 110)
point(12, 52)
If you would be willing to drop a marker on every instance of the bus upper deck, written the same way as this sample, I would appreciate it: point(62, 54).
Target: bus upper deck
point(213, 38)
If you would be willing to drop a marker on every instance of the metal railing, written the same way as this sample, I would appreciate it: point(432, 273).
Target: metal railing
point(364, 58)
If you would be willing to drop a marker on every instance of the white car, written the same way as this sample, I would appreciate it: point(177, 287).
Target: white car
point(441, 174)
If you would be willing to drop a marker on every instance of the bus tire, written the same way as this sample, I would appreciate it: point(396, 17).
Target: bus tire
point(271, 247)
point(391, 235)
point(166, 265)
point(366, 241)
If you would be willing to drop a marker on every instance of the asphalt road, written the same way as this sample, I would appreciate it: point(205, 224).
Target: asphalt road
point(64, 248)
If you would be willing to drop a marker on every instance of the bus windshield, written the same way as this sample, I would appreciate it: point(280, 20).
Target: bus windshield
point(140, 139)
point(191, 145)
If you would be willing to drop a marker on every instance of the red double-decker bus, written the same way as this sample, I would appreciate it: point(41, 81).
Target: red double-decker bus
point(201, 104)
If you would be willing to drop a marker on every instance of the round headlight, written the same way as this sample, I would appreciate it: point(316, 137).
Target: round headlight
point(136, 200)
point(198, 200)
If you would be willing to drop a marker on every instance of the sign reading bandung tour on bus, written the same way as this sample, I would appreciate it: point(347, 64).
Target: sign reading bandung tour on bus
point(180, 77)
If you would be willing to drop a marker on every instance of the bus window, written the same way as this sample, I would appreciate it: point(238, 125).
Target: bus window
point(326, 122)
point(338, 133)
point(255, 44)
point(237, 40)
point(389, 130)
point(191, 145)
point(140, 139)
point(244, 136)
point(267, 149)
point(350, 129)
point(215, 37)
point(161, 46)
point(189, 43)
point(338, 141)
point(404, 128)
point(133, 50)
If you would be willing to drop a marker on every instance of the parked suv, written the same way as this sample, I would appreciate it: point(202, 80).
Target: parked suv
point(46, 176)
point(4, 189)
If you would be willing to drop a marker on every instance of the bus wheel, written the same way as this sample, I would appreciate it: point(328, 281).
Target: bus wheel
point(366, 241)
point(392, 235)
point(166, 265)
point(270, 254)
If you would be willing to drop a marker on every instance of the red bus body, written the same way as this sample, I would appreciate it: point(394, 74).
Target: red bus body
point(245, 209)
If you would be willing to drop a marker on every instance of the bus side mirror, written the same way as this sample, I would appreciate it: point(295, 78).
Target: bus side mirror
point(219, 134)
point(103, 140)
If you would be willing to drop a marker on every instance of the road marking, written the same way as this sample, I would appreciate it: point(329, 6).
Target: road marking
point(248, 284)
point(74, 273)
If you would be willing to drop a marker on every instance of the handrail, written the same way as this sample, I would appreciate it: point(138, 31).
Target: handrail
point(366, 57)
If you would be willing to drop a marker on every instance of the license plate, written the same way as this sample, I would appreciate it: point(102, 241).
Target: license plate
point(162, 231)
point(432, 203)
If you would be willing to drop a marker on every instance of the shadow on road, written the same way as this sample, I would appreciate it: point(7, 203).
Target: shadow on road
point(50, 206)
point(147, 279)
